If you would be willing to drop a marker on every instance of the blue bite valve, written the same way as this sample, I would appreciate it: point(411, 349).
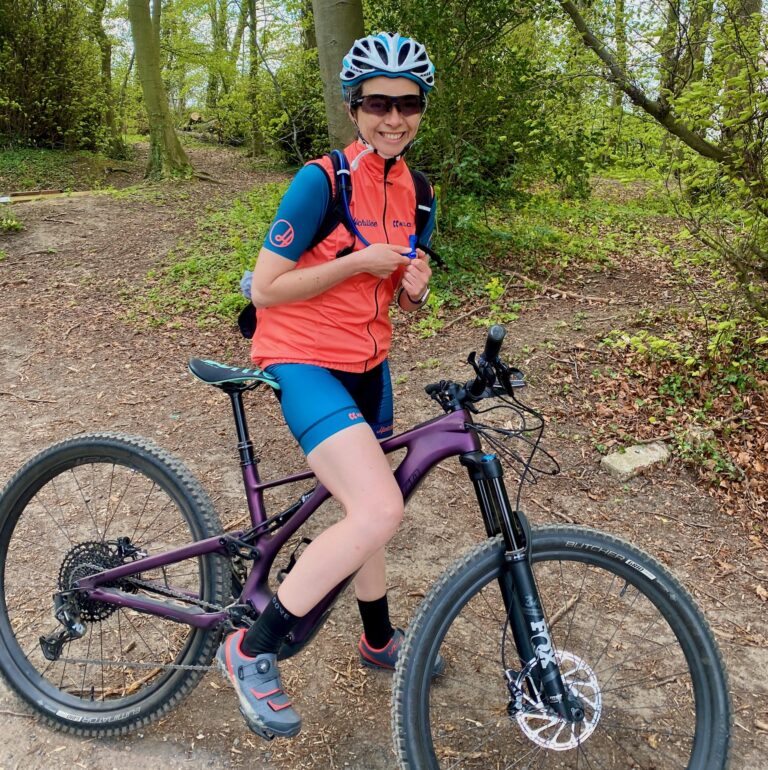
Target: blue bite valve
point(412, 241)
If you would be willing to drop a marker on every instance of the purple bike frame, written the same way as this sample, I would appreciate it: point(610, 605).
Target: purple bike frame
point(426, 444)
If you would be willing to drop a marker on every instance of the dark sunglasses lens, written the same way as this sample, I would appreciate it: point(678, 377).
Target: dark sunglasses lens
point(380, 105)
point(410, 105)
point(376, 105)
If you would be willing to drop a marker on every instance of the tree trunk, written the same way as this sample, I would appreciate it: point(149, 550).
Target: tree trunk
point(670, 50)
point(117, 147)
point(166, 155)
point(308, 37)
point(742, 30)
point(257, 139)
point(338, 23)
point(217, 14)
point(620, 37)
point(237, 40)
point(693, 59)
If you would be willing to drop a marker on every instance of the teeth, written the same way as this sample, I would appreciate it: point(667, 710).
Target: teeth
point(393, 136)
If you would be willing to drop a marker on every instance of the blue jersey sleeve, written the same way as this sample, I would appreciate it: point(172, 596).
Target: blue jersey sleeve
point(300, 213)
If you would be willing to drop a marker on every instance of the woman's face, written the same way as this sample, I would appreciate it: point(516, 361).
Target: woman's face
point(391, 132)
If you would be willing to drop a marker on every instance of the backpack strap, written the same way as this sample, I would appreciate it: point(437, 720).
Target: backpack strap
point(335, 213)
point(424, 200)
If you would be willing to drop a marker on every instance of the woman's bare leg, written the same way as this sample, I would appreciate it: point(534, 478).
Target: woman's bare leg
point(352, 466)
point(371, 578)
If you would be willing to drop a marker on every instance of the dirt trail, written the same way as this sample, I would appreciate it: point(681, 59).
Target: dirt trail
point(72, 362)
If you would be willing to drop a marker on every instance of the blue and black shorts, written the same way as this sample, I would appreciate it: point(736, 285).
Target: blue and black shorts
point(319, 402)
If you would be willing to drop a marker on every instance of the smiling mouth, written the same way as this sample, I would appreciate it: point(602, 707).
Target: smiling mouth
point(393, 137)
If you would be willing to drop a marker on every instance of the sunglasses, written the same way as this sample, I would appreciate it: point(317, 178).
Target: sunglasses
point(380, 105)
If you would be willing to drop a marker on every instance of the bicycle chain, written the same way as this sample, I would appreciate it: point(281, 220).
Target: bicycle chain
point(164, 591)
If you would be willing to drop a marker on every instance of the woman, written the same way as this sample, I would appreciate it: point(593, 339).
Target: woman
point(324, 332)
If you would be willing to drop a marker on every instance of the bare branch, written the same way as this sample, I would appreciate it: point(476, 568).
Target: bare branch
point(659, 111)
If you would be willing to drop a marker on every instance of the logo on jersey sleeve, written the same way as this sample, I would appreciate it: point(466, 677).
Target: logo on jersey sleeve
point(281, 235)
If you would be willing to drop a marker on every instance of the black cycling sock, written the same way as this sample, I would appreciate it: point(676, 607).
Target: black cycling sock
point(269, 630)
point(376, 626)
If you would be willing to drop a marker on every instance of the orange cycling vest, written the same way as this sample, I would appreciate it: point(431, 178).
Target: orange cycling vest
point(347, 327)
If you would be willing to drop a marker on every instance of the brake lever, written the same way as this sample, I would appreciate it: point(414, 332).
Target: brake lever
point(510, 378)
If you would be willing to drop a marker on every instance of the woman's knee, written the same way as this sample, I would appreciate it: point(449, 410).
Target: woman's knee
point(390, 513)
point(378, 521)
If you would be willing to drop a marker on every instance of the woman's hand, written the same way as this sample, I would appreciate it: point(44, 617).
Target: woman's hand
point(382, 259)
point(416, 276)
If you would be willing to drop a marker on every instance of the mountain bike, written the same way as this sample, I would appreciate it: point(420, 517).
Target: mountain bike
point(565, 647)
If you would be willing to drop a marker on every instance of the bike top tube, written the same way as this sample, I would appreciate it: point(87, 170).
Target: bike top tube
point(427, 444)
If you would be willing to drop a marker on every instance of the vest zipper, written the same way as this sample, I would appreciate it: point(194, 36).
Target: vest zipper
point(387, 166)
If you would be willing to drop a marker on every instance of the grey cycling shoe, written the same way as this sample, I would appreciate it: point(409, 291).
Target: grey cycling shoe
point(386, 657)
point(263, 702)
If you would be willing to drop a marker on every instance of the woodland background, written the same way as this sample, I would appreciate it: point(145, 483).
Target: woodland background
point(536, 105)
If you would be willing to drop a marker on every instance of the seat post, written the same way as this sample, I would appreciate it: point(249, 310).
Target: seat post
point(244, 443)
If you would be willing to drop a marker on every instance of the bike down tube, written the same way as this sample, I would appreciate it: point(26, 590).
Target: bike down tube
point(517, 584)
point(426, 444)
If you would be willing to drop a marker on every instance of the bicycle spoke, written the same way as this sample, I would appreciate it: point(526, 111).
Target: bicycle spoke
point(617, 653)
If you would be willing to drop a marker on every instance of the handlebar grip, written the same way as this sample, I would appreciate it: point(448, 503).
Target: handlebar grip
point(493, 343)
point(486, 375)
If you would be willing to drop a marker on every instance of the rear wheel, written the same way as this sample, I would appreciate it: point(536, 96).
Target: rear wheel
point(77, 508)
point(630, 643)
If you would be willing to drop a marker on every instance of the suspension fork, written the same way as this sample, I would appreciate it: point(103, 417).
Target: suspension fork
point(529, 627)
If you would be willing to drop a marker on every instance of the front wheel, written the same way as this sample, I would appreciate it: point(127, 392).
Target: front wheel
point(629, 640)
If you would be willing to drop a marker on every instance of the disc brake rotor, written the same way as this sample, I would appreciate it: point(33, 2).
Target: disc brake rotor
point(548, 730)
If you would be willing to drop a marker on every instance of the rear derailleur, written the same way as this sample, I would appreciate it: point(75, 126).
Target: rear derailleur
point(67, 613)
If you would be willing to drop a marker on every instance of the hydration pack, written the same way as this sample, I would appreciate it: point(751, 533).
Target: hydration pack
point(336, 214)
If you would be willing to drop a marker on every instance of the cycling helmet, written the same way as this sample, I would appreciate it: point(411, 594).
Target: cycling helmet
point(390, 55)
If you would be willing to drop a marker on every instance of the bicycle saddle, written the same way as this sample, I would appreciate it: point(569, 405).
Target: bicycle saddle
point(231, 377)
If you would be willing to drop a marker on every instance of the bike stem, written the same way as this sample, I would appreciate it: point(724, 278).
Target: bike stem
point(517, 583)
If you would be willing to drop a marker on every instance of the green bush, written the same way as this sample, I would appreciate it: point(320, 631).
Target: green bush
point(295, 118)
point(51, 93)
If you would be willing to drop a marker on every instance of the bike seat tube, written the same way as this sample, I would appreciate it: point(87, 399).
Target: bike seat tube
point(244, 443)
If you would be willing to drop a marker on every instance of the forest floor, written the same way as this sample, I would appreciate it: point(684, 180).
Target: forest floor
point(75, 360)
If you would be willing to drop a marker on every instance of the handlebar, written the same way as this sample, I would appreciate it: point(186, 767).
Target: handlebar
point(486, 376)
point(492, 377)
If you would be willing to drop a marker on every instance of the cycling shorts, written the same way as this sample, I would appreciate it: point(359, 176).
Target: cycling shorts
point(319, 402)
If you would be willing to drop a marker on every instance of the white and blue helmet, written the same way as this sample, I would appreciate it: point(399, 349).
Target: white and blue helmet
point(390, 55)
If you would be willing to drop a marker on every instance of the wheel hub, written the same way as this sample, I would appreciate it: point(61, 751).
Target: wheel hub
point(550, 731)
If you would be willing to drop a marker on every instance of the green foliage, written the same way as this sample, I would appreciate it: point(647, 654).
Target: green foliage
point(9, 223)
point(232, 114)
point(530, 233)
point(295, 118)
point(35, 169)
point(202, 278)
point(492, 125)
point(702, 357)
point(51, 93)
